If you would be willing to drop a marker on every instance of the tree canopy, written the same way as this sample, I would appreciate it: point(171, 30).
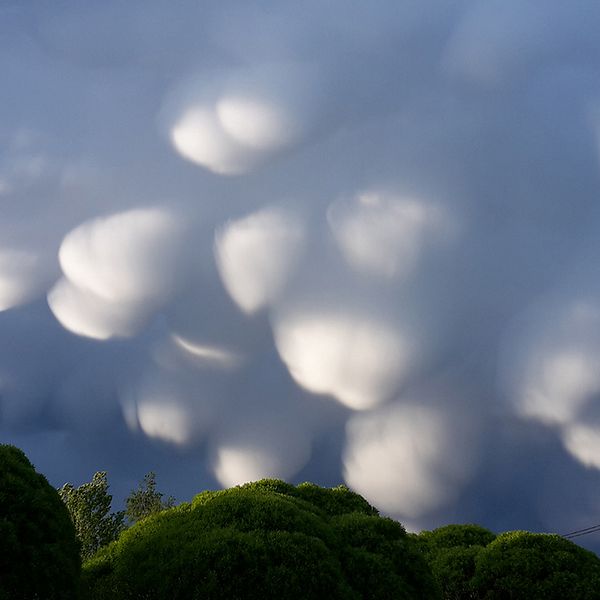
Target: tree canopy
point(39, 553)
point(266, 539)
point(470, 562)
point(529, 566)
point(90, 508)
point(451, 552)
point(146, 500)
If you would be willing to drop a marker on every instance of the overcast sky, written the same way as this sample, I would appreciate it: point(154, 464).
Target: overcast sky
point(338, 241)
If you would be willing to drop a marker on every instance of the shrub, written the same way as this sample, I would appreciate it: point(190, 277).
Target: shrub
point(263, 540)
point(39, 553)
point(531, 566)
point(451, 553)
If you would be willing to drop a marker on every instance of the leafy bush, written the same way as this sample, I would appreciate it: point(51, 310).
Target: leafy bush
point(39, 553)
point(531, 566)
point(263, 540)
point(451, 553)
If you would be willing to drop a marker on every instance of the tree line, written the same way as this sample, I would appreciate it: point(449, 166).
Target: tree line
point(90, 508)
point(266, 539)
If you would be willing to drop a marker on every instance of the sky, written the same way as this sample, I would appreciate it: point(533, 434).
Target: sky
point(341, 242)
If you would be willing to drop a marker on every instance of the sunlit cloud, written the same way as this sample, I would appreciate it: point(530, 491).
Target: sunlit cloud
point(88, 315)
point(233, 123)
point(384, 234)
point(117, 271)
point(407, 459)
point(255, 256)
point(124, 257)
point(168, 408)
point(209, 355)
point(262, 446)
point(554, 366)
point(357, 358)
point(583, 442)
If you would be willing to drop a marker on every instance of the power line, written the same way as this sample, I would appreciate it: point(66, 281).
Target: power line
point(580, 532)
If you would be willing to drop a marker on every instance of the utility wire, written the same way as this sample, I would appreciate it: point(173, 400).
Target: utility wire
point(580, 532)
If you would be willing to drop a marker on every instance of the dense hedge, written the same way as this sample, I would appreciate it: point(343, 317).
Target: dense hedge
point(39, 554)
point(530, 566)
point(263, 540)
point(470, 562)
point(451, 552)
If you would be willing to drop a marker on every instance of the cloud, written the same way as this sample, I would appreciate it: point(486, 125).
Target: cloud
point(357, 358)
point(553, 366)
point(383, 234)
point(117, 271)
point(234, 122)
point(583, 442)
point(256, 254)
point(23, 276)
point(407, 459)
point(263, 445)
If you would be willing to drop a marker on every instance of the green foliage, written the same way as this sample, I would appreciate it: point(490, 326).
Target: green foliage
point(470, 562)
point(334, 501)
point(262, 540)
point(379, 559)
point(452, 536)
point(451, 553)
point(531, 566)
point(146, 500)
point(39, 554)
point(90, 508)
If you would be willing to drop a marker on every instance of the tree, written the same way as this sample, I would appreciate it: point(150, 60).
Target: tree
point(146, 501)
point(536, 566)
point(90, 508)
point(263, 540)
point(39, 553)
point(451, 553)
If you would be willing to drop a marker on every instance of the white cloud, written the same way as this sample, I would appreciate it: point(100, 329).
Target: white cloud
point(385, 234)
point(406, 459)
point(169, 406)
point(255, 256)
point(357, 358)
point(125, 257)
point(553, 364)
point(261, 446)
point(117, 271)
point(233, 123)
point(583, 442)
point(89, 315)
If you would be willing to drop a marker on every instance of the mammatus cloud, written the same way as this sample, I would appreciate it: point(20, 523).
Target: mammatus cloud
point(232, 124)
point(407, 459)
point(383, 234)
point(554, 375)
point(266, 446)
point(117, 271)
point(357, 358)
point(256, 255)
point(168, 408)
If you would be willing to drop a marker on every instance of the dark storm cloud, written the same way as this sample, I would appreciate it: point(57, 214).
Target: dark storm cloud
point(277, 239)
